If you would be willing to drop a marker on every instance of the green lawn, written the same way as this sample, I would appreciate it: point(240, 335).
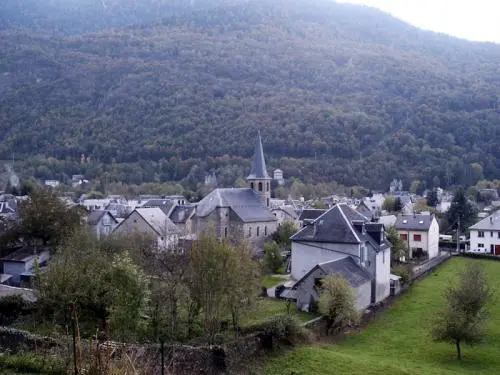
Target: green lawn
point(269, 281)
point(267, 308)
point(398, 342)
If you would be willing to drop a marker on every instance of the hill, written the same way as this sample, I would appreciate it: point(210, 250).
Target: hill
point(340, 92)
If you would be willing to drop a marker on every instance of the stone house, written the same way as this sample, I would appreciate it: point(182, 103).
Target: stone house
point(154, 222)
point(101, 222)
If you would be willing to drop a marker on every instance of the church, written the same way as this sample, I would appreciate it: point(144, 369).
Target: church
point(240, 213)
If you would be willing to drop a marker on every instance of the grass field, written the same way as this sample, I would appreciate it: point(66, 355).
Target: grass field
point(269, 281)
point(398, 341)
point(267, 308)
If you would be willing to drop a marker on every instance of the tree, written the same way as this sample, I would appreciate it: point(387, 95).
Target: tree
point(464, 314)
point(337, 302)
point(398, 204)
point(282, 236)
point(101, 281)
point(399, 247)
point(222, 279)
point(432, 198)
point(461, 209)
point(389, 203)
point(272, 256)
point(46, 218)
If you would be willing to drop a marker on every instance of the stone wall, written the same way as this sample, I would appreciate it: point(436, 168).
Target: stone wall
point(15, 341)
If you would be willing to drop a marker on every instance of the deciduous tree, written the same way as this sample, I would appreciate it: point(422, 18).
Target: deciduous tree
point(465, 312)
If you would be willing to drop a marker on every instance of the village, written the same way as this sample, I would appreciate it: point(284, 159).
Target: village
point(378, 244)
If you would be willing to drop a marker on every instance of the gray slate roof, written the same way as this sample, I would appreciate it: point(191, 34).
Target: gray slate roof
point(346, 267)
point(311, 214)
point(158, 220)
point(244, 202)
point(95, 216)
point(334, 226)
point(166, 205)
point(258, 162)
point(491, 222)
point(414, 222)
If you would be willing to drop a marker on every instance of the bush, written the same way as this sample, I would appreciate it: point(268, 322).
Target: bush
point(283, 329)
point(31, 363)
point(402, 271)
point(12, 308)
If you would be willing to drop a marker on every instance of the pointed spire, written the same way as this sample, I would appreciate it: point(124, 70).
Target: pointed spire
point(258, 162)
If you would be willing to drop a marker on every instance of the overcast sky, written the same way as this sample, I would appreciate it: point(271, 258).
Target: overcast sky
point(477, 20)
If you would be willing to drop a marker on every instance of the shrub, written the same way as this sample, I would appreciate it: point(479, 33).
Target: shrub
point(13, 307)
point(31, 363)
point(284, 329)
point(402, 271)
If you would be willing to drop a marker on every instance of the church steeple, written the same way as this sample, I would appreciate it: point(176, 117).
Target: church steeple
point(258, 162)
point(259, 178)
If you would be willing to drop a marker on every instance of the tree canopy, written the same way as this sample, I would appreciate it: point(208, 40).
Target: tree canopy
point(336, 96)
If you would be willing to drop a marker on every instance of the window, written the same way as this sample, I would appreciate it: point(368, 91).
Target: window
point(491, 234)
point(268, 188)
point(492, 249)
point(258, 230)
point(249, 232)
point(225, 232)
point(252, 185)
point(480, 245)
point(260, 186)
point(480, 234)
point(265, 230)
point(404, 236)
point(498, 234)
point(417, 237)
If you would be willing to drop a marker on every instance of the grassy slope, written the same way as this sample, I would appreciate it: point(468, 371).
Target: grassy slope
point(398, 342)
point(267, 308)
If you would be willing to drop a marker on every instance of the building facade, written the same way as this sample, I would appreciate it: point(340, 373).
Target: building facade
point(485, 235)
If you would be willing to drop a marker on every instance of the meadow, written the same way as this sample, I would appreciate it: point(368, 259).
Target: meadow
point(398, 341)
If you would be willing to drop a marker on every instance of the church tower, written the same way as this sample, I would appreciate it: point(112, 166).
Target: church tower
point(260, 182)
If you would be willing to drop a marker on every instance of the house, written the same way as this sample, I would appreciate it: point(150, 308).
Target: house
point(485, 235)
point(101, 222)
point(52, 183)
point(240, 213)
point(151, 221)
point(182, 217)
point(19, 266)
point(286, 213)
point(308, 215)
point(364, 210)
point(166, 205)
point(421, 233)
point(307, 289)
point(337, 234)
point(8, 209)
point(94, 204)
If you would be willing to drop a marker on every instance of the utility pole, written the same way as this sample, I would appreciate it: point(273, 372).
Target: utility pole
point(458, 235)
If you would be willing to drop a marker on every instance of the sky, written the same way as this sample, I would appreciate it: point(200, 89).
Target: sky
point(477, 20)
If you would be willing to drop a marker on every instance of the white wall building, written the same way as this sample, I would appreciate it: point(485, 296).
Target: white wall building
point(485, 235)
point(421, 233)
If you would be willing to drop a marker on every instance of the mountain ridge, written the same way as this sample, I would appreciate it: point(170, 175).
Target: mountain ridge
point(336, 96)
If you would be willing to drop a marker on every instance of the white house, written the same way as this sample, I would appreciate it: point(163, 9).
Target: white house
point(421, 233)
point(485, 235)
point(337, 234)
point(151, 221)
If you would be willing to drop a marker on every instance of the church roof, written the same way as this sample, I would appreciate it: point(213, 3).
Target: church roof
point(244, 202)
point(258, 162)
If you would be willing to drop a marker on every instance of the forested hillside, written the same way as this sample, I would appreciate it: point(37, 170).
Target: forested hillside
point(340, 92)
